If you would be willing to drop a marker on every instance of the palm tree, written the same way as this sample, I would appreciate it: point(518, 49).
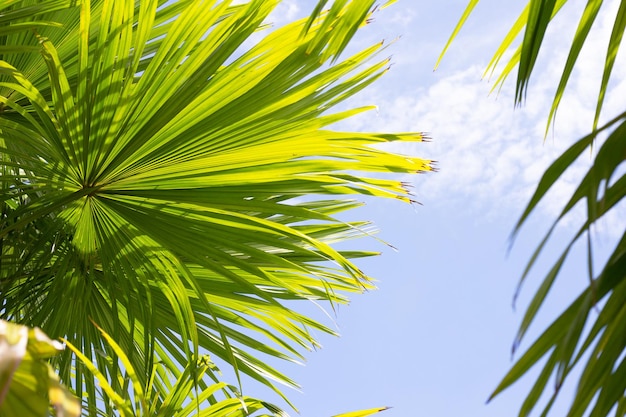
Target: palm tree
point(591, 329)
point(179, 185)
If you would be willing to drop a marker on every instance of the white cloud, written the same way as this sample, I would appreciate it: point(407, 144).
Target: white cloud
point(485, 147)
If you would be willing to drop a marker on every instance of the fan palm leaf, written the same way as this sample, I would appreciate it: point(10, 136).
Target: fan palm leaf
point(164, 179)
point(578, 334)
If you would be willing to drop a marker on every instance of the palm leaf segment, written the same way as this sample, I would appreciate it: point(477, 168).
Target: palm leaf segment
point(591, 329)
point(181, 398)
point(157, 174)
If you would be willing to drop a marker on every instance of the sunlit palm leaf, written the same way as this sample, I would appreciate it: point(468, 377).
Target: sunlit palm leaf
point(162, 186)
point(23, 20)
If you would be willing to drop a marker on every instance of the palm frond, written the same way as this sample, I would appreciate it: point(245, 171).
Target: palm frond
point(178, 189)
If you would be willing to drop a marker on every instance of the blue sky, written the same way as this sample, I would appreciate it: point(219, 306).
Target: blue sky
point(436, 338)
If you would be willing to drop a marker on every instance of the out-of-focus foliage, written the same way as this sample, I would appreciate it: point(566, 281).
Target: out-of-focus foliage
point(28, 385)
point(592, 328)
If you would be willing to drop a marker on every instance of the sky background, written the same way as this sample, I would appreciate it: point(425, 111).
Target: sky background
point(436, 338)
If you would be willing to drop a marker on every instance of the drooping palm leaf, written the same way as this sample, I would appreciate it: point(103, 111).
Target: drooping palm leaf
point(160, 180)
point(602, 303)
point(592, 327)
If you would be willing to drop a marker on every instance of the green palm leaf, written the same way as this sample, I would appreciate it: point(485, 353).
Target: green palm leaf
point(165, 182)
